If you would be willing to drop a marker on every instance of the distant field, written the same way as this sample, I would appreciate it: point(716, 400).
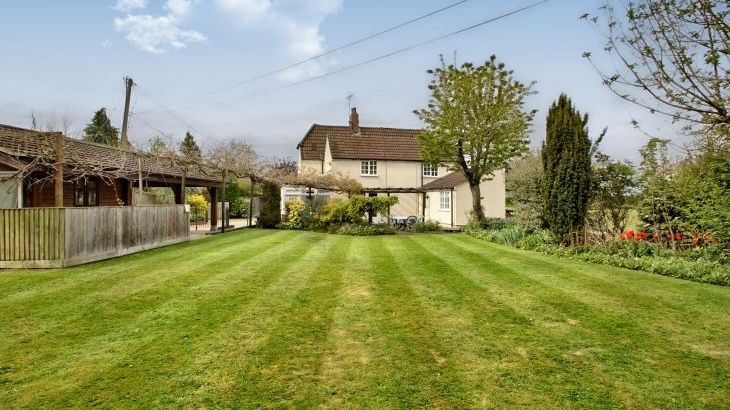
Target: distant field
point(302, 320)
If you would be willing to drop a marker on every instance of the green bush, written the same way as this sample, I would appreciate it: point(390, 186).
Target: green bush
point(353, 210)
point(427, 226)
point(365, 229)
point(198, 208)
point(508, 235)
point(293, 217)
point(270, 215)
point(536, 240)
point(239, 207)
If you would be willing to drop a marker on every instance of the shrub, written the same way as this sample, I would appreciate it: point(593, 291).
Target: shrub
point(536, 240)
point(270, 215)
point(293, 218)
point(509, 235)
point(365, 230)
point(353, 210)
point(198, 208)
point(239, 207)
point(427, 226)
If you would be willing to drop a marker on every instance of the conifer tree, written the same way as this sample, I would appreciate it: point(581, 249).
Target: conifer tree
point(189, 148)
point(566, 159)
point(101, 130)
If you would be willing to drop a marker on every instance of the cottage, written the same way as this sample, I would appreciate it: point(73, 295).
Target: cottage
point(387, 161)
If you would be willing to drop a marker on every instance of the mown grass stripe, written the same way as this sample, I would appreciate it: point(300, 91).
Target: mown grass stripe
point(47, 282)
point(468, 310)
point(409, 341)
point(213, 294)
point(128, 295)
point(608, 336)
point(285, 370)
point(210, 378)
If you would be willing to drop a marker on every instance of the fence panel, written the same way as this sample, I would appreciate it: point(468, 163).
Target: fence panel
point(54, 237)
point(32, 234)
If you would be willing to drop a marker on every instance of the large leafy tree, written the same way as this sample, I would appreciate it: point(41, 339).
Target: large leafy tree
point(476, 121)
point(566, 161)
point(672, 57)
point(101, 130)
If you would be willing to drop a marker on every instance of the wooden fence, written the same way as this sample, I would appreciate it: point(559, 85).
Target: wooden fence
point(58, 237)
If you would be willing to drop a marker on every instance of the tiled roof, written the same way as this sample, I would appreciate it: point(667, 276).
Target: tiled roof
point(397, 144)
point(448, 181)
point(26, 144)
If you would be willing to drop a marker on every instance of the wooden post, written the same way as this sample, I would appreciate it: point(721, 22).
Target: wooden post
point(182, 189)
point(250, 206)
point(139, 176)
point(213, 208)
point(223, 203)
point(178, 194)
point(58, 194)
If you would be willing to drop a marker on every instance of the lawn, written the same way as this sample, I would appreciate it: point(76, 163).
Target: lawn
point(291, 319)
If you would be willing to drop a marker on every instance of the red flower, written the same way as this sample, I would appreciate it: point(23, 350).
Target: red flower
point(629, 234)
point(655, 236)
point(641, 236)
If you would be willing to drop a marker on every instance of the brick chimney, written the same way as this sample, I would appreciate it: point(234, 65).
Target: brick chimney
point(354, 122)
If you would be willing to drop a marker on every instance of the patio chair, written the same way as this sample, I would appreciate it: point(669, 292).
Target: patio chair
point(410, 222)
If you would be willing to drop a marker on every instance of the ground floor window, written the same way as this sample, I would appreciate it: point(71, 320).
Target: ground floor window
point(369, 168)
point(86, 192)
point(445, 200)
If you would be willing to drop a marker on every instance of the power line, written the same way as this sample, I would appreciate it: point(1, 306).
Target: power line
point(173, 114)
point(318, 56)
point(393, 53)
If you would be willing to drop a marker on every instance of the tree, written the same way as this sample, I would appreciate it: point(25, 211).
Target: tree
point(157, 146)
point(101, 130)
point(673, 57)
point(614, 183)
point(524, 184)
point(270, 215)
point(657, 201)
point(189, 148)
point(476, 122)
point(566, 161)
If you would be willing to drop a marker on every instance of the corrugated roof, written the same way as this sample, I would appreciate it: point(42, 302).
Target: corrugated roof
point(448, 181)
point(22, 143)
point(397, 144)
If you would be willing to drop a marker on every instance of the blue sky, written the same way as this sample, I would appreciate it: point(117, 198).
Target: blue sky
point(67, 59)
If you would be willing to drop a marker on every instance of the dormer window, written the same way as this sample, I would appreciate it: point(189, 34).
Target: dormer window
point(430, 170)
point(369, 168)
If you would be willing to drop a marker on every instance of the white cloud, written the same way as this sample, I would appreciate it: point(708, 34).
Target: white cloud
point(179, 7)
point(297, 21)
point(247, 10)
point(106, 43)
point(156, 34)
point(126, 6)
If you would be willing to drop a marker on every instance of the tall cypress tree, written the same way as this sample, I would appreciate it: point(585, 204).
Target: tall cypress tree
point(566, 159)
point(101, 130)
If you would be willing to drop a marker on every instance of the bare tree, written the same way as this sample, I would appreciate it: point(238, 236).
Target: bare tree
point(672, 57)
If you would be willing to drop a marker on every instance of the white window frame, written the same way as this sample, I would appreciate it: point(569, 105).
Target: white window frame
point(370, 168)
point(445, 200)
point(430, 170)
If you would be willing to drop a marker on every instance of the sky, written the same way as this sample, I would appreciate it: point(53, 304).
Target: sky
point(191, 59)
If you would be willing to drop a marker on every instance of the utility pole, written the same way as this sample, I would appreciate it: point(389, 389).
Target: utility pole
point(125, 121)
